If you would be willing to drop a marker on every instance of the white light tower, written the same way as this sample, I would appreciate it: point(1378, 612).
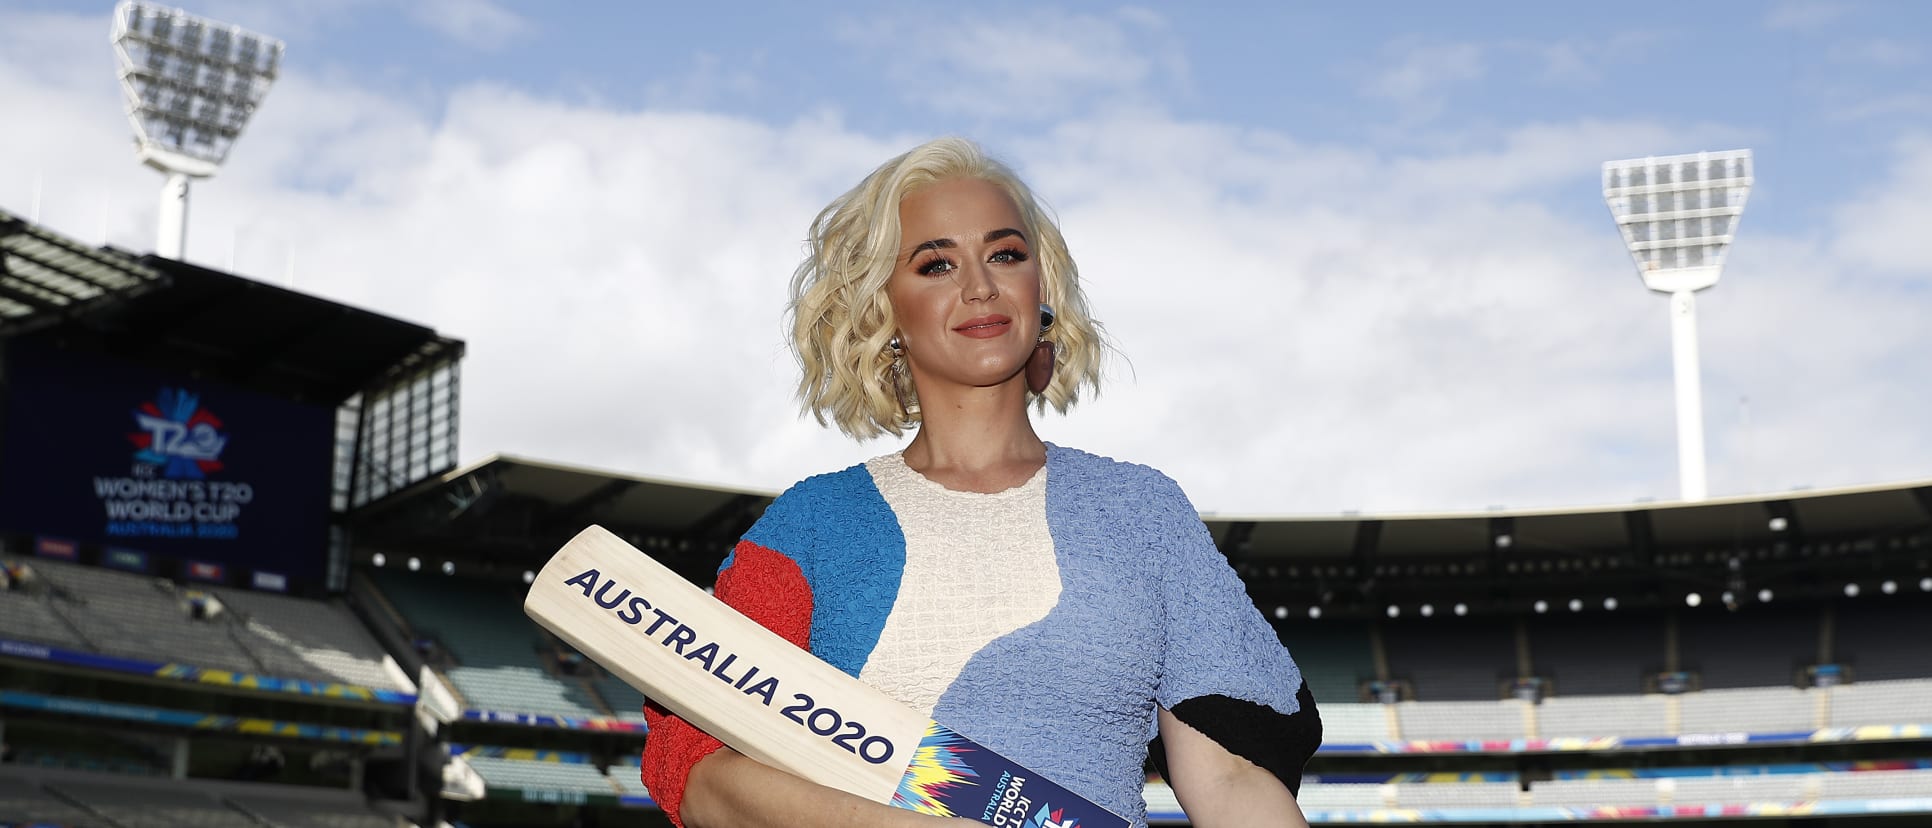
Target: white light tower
point(190, 84)
point(1678, 215)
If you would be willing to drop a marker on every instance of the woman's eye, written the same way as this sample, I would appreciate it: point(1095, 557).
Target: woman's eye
point(1008, 256)
point(935, 267)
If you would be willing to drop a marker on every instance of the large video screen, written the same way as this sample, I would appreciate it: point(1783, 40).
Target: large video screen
point(164, 473)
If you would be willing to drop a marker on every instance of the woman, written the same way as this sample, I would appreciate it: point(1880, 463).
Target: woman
point(1054, 606)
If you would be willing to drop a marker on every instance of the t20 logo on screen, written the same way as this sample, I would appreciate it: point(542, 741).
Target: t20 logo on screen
point(178, 435)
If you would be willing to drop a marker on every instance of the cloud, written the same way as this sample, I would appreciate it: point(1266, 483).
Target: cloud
point(1305, 326)
point(1419, 72)
point(1804, 15)
point(1883, 52)
point(477, 23)
point(1034, 64)
point(1884, 228)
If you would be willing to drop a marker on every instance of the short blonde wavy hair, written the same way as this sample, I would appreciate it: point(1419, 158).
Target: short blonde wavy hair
point(842, 322)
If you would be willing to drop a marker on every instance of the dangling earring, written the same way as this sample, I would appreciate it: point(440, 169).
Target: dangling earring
point(908, 408)
point(1039, 366)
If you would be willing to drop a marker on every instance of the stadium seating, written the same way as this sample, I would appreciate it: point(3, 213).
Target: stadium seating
point(1739, 790)
point(542, 776)
point(628, 776)
point(300, 638)
point(498, 649)
point(134, 616)
point(289, 811)
point(1592, 792)
point(154, 807)
point(1317, 796)
point(1354, 723)
point(27, 614)
point(1882, 702)
point(1594, 716)
point(1748, 710)
point(623, 699)
point(1429, 721)
point(1458, 795)
point(1874, 784)
point(25, 802)
point(30, 796)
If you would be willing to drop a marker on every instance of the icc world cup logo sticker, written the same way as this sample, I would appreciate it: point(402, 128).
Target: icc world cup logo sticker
point(178, 436)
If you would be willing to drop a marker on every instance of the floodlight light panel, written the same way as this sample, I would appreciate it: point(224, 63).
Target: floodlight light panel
point(190, 83)
point(1679, 213)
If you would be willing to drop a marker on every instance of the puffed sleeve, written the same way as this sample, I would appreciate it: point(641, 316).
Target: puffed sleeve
point(1223, 670)
point(768, 587)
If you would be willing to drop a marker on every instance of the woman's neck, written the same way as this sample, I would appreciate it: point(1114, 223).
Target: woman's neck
point(977, 439)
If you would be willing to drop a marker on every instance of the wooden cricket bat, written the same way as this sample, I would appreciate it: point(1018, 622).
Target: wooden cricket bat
point(776, 703)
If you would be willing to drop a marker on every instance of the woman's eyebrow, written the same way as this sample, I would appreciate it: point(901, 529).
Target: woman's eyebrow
point(935, 244)
point(942, 244)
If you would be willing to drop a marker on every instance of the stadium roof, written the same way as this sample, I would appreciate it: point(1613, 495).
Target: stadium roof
point(509, 514)
point(188, 318)
point(1744, 519)
point(46, 278)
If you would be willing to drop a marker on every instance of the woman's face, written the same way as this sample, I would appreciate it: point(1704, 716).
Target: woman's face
point(965, 286)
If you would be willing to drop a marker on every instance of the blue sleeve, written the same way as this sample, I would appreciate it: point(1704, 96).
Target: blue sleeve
point(1223, 669)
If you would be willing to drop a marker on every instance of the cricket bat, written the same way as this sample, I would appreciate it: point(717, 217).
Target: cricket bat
point(776, 703)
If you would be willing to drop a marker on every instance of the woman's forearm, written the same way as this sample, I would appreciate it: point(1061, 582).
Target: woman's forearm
point(730, 790)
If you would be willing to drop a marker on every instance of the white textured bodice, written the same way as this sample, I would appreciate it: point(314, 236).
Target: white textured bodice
point(978, 566)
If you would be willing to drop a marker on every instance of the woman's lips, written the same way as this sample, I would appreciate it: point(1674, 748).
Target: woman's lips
point(984, 327)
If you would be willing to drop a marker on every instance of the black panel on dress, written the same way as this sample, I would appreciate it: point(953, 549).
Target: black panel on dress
point(1279, 744)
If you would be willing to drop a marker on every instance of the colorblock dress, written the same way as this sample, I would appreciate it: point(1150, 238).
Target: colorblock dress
point(1045, 622)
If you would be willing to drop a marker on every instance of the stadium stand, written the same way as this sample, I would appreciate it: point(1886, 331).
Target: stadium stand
point(22, 800)
point(292, 808)
point(122, 614)
point(1354, 723)
point(1867, 639)
point(1462, 660)
point(519, 774)
point(1595, 792)
point(1748, 710)
point(1334, 657)
point(500, 666)
point(1882, 702)
point(1427, 721)
point(1317, 795)
point(1590, 716)
point(27, 614)
point(134, 616)
point(623, 700)
point(303, 638)
point(1591, 658)
point(1458, 795)
point(1738, 790)
point(1875, 784)
point(629, 777)
point(1757, 647)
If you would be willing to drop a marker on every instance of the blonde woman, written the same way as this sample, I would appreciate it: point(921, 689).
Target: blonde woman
point(1055, 606)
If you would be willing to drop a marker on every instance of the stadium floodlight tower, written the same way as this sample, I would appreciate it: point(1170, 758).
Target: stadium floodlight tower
point(190, 85)
point(1678, 215)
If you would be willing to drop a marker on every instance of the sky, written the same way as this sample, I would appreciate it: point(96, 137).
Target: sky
point(1352, 257)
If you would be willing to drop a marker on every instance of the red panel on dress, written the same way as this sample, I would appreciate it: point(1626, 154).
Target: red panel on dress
point(767, 587)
